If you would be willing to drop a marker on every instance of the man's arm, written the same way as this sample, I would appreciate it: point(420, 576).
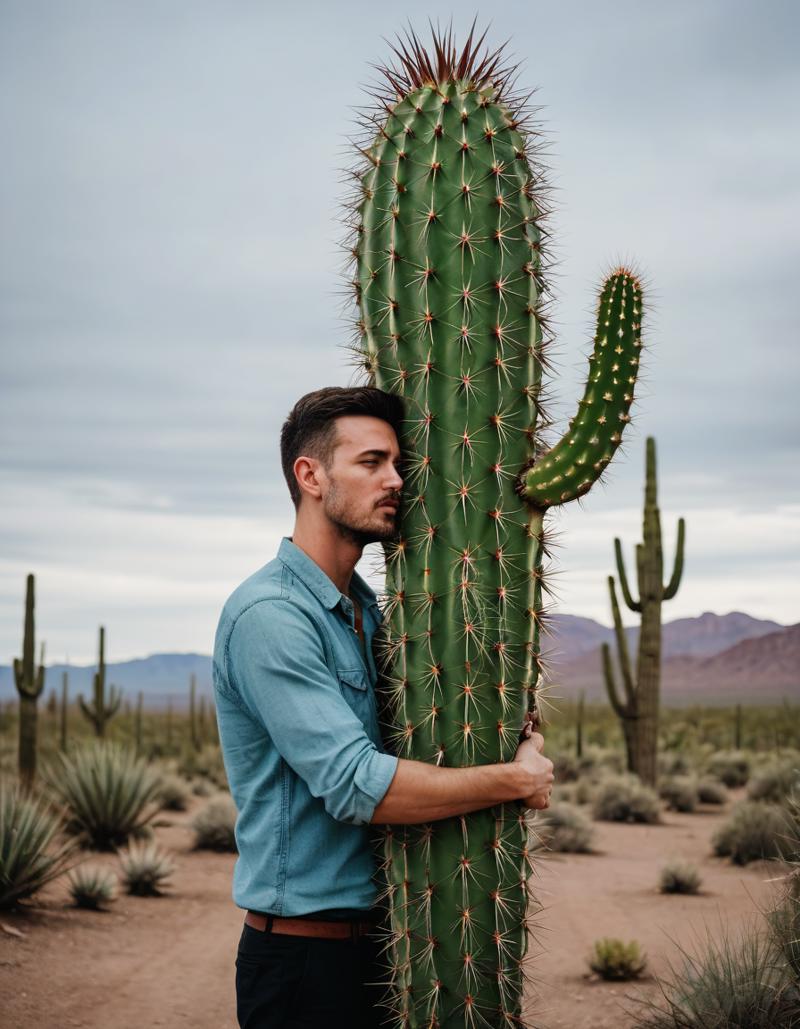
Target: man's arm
point(420, 792)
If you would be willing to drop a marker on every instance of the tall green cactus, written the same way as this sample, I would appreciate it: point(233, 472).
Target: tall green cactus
point(30, 683)
point(194, 725)
point(448, 243)
point(100, 713)
point(639, 710)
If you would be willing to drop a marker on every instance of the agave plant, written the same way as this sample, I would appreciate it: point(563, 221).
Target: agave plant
point(31, 854)
point(92, 887)
point(109, 793)
point(146, 869)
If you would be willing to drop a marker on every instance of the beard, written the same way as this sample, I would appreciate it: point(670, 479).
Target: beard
point(355, 527)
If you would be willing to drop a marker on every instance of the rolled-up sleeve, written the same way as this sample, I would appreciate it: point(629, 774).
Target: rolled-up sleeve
point(277, 665)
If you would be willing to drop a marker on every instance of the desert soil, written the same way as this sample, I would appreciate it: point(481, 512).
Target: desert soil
point(168, 961)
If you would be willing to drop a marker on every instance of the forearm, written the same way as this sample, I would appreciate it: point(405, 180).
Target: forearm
point(420, 792)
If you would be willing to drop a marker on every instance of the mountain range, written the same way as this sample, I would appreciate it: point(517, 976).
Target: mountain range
point(710, 659)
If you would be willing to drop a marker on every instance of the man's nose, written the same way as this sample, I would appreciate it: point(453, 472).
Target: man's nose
point(395, 480)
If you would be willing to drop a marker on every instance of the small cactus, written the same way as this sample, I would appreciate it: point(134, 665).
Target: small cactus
point(616, 960)
point(100, 713)
point(91, 887)
point(30, 683)
point(146, 869)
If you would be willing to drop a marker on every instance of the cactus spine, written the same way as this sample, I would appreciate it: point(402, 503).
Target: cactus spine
point(448, 243)
point(639, 710)
point(100, 713)
point(30, 683)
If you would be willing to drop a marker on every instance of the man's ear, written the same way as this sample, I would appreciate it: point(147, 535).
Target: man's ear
point(309, 472)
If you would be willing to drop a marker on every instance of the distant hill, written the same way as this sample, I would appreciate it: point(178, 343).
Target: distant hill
point(709, 659)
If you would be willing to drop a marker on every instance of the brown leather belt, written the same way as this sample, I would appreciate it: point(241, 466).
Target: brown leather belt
point(308, 927)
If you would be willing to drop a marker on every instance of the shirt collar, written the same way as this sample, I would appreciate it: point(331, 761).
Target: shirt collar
point(323, 588)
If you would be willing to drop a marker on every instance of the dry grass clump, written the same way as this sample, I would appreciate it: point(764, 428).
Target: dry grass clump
point(625, 799)
point(731, 767)
point(751, 832)
point(146, 869)
point(679, 877)
point(680, 793)
point(565, 829)
point(92, 888)
point(711, 791)
point(173, 793)
point(214, 825)
point(775, 782)
point(616, 960)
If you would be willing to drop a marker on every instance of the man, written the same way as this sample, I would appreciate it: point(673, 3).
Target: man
point(293, 678)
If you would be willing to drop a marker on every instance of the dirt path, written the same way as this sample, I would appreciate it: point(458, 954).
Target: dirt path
point(169, 961)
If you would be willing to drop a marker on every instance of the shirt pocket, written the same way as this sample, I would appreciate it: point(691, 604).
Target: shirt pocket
point(355, 690)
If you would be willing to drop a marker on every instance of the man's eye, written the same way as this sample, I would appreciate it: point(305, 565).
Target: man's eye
point(369, 462)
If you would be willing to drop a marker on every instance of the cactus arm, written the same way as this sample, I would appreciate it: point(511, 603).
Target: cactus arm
point(622, 646)
point(611, 684)
point(677, 570)
point(573, 465)
point(634, 605)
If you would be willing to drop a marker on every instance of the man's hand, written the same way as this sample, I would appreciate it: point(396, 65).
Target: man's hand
point(540, 768)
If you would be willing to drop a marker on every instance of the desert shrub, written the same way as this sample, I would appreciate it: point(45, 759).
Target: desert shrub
point(146, 869)
point(679, 877)
point(625, 799)
point(738, 984)
point(751, 832)
point(565, 767)
point(565, 829)
point(784, 924)
point(214, 825)
point(92, 888)
point(31, 854)
point(580, 792)
point(679, 792)
point(110, 794)
point(775, 782)
point(731, 767)
point(173, 793)
point(613, 959)
point(673, 762)
point(711, 791)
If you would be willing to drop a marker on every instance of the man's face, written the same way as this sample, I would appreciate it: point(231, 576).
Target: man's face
point(362, 486)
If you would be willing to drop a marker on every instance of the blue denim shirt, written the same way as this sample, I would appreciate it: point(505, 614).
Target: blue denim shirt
point(300, 739)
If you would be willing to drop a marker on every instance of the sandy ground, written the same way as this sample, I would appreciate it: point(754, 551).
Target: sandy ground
point(168, 961)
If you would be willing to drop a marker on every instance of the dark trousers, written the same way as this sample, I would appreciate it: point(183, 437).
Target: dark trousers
point(302, 982)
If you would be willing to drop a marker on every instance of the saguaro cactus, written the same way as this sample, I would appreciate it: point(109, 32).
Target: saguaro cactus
point(99, 712)
point(448, 242)
point(194, 724)
point(30, 683)
point(639, 710)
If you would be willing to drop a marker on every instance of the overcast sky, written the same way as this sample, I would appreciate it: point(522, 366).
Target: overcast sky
point(169, 280)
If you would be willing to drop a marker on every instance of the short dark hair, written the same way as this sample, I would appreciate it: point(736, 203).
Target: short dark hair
point(310, 428)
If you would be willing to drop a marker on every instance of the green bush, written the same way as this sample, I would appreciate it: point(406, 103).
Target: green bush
point(738, 984)
point(618, 961)
point(731, 767)
point(214, 825)
point(671, 763)
point(625, 799)
point(752, 831)
point(31, 854)
point(206, 763)
point(173, 793)
point(565, 767)
point(146, 869)
point(565, 829)
point(775, 782)
point(680, 793)
point(92, 888)
point(110, 794)
point(679, 877)
point(711, 791)
point(580, 792)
